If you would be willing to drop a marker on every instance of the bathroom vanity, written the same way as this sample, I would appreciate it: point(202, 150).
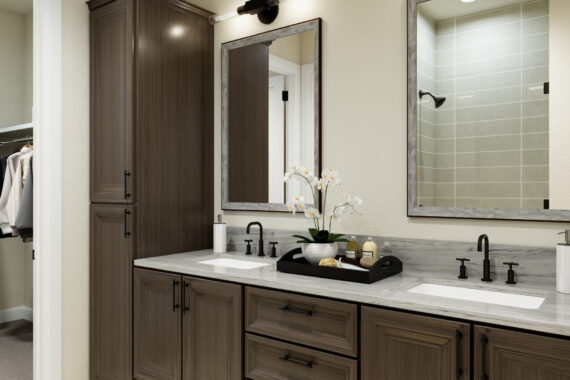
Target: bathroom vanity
point(224, 322)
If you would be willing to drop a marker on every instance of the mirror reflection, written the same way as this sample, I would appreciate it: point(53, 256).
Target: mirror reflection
point(483, 114)
point(271, 122)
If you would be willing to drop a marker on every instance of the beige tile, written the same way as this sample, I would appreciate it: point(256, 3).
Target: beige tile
point(436, 175)
point(533, 204)
point(491, 49)
point(488, 203)
point(435, 189)
point(488, 190)
point(445, 87)
point(491, 112)
point(443, 116)
point(489, 97)
point(535, 75)
point(535, 58)
point(535, 173)
point(535, 42)
point(536, 141)
point(535, 26)
point(488, 128)
point(535, 190)
point(445, 42)
point(535, 124)
point(493, 143)
point(510, 158)
point(489, 174)
point(535, 157)
point(535, 8)
point(535, 108)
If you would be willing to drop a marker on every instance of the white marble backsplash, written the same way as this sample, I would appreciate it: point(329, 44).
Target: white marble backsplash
point(536, 265)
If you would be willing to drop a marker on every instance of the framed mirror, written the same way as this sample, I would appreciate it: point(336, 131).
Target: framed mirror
point(271, 86)
point(488, 128)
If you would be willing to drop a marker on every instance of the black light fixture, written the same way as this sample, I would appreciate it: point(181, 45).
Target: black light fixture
point(266, 11)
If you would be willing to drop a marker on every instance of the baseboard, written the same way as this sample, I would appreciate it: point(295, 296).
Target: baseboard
point(16, 313)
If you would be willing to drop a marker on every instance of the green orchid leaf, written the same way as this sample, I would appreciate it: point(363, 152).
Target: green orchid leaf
point(304, 239)
point(322, 236)
point(313, 232)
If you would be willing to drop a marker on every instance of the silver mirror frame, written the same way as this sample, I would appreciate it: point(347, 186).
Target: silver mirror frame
point(314, 25)
point(450, 212)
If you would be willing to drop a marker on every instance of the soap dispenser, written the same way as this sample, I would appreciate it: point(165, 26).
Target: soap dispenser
point(563, 264)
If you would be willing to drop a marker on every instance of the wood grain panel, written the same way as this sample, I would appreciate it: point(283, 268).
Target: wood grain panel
point(329, 325)
point(213, 330)
point(408, 347)
point(111, 103)
point(268, 359)
point(157, 326)
point(518, 356)
point(248, 131)
point(174, 128)
point(111, 293)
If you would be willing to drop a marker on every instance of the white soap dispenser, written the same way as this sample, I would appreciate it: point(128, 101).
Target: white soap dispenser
point(220, 243)
point(563, 264)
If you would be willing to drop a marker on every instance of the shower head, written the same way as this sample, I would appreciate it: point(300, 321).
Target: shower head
point(438, 100)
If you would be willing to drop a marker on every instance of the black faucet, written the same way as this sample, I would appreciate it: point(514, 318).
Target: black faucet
point(486, 261)
point(260, 236)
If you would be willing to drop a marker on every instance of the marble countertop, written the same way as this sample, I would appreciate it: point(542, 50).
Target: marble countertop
point(553, 316)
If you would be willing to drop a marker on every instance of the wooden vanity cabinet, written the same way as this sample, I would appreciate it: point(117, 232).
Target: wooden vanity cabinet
point(151, 143)
point(507, 355)
point(404, 346)
point(186, 328)
point(112, 253)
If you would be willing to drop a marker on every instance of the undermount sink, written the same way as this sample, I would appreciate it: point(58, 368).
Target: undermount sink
point(477, 295)
point(233, 263)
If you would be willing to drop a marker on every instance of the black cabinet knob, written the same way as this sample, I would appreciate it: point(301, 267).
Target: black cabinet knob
point(511, 273)
point(462, 268)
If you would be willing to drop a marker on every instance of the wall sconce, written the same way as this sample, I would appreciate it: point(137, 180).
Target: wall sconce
point(266, 11)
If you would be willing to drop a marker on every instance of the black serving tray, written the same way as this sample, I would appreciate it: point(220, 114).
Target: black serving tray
point(385, 267)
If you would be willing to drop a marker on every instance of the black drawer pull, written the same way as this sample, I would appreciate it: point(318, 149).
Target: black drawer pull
point(175, 305)
point(126, 216)
point(127, 174)
point(289, 309)
point(484, 341)
point(458, 371)
point(184, 307)
point(303, 363)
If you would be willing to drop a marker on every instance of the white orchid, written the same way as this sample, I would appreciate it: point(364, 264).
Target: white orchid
point(312, 213)
point(328, 177)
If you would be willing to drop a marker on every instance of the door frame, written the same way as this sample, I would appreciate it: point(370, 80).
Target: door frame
point(47, 117)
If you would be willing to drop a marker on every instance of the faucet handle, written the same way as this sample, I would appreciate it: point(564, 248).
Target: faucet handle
point(511, 273)
point(248, 249)
point(462, 268)
point(273, 248)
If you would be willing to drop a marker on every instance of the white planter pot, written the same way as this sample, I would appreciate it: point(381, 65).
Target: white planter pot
point(314, 252)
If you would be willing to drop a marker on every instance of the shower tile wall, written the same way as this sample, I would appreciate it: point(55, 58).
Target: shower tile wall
point(489, 141)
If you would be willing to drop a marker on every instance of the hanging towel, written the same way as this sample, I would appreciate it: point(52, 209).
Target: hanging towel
point(6, 188)
point(25, 218)
point(15, 197)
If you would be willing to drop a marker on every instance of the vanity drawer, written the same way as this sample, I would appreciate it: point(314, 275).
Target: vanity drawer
point(268, 359)
point(324, 324)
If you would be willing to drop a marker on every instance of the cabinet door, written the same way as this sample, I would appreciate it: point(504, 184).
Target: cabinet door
point(507, 355)
point(157, 325)
point(111, 103)
point(212, 343)
point(111, 292)
point(409, 347)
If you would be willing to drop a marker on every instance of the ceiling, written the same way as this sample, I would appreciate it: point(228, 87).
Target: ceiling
point(17, 6)
point(445, 9)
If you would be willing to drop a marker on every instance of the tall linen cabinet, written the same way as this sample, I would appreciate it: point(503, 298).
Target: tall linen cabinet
point(151, 155)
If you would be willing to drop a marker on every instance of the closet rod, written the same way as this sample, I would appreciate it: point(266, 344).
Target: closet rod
point(18, 140)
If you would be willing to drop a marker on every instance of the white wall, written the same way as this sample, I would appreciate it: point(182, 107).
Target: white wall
point(364, 120)
point(559, 102)
point(15, 95)
point(12, 68)
point(75, 184)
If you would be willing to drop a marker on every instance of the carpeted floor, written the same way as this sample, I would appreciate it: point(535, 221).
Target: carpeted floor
point(16, 350)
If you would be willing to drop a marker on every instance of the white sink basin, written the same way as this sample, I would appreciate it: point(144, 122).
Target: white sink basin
point(477, 295)
point(233, 263)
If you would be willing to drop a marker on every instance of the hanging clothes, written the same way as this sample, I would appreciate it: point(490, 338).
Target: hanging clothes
point(15, 197)
point(25, 218)
point(11, 167)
